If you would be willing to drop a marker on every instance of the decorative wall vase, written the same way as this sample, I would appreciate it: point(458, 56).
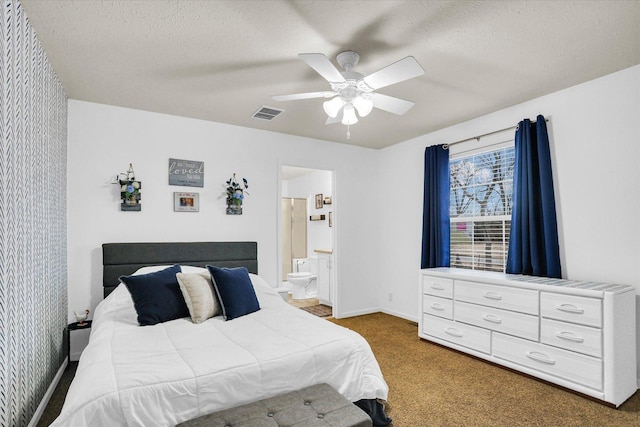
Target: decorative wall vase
point(235, 195)
point(234, 209)
point(130, 196)
point(130, 190)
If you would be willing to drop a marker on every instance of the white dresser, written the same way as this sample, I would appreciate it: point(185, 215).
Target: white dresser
point(579, 335)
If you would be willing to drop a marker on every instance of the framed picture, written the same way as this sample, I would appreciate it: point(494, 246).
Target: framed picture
point(186, 202)
point(319, 201)
point(186, 173)
point(330, 219)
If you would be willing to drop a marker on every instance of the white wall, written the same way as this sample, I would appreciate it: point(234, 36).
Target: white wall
point(103, 140)
point(319, 234)
point(594, 131)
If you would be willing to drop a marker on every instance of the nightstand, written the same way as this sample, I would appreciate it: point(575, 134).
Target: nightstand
point(75, 326)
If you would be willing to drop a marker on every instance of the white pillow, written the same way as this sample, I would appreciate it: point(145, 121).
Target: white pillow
point(199, 295)
point(150, 269)
point(258, 281)
point(193, 269)
point(153, 268)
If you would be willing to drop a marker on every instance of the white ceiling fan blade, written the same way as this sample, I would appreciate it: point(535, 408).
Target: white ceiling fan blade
point(308, 95)
point(323, 66)
point(391, 104)
point(399, 71)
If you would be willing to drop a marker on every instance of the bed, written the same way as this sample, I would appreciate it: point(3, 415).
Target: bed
point(177, 370)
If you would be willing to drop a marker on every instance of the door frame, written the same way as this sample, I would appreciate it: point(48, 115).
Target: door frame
point(335, 229)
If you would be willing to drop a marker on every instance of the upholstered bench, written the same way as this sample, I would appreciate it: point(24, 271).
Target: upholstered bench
point(317, 405)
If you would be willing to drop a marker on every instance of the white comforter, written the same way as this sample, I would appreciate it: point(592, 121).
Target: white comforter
point(171, 372)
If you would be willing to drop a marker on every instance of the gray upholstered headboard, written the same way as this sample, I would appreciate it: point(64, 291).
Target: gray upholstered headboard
point(125, 258)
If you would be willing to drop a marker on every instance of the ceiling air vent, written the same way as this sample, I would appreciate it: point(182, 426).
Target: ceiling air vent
point(267, 113)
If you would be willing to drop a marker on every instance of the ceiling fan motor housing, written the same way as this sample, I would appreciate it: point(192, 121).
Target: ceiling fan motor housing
point(353, 87)
point(348, 59)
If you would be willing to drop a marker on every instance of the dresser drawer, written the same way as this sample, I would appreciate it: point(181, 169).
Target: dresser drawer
point(507, 298)
point(437, 286)
point(437, 306)
point(509, 322)
point(582, 310)
point(582, 339)
point(565, 364)
point(465, 335)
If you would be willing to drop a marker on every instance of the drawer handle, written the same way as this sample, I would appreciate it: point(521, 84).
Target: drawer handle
point(491, 318)
point(569, 336)
point(492, 295)
point(570, 308)
point(540, 357)
point(437, 306)
point(437, 287)
point(454, 332)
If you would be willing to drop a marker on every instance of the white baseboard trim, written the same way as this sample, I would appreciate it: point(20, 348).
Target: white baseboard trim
point(400, 315)
point(47, 396)
point(358, 313)
point(377, 310)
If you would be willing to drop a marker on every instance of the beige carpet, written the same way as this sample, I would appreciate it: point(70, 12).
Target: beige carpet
point(430, 385)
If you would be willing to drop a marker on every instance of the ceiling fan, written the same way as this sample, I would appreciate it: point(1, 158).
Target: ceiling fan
point(351, 91)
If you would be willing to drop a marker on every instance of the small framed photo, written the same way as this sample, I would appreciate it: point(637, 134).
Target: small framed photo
point(319, 201)
point(186, 202)
point(330, 219)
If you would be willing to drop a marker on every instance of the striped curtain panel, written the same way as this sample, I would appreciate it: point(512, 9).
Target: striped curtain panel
point(33, 227)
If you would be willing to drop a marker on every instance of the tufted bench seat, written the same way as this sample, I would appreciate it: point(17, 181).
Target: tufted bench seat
point(317, 405)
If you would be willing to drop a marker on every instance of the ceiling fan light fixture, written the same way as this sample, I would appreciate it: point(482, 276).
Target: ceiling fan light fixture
point(349, 115)
point(332, 107)
point(364, 106)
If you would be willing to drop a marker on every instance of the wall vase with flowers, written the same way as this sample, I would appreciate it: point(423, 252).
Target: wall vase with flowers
point(130, 189)
point(235, 195)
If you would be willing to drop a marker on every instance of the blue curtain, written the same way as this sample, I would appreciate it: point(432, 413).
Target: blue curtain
point(435, 214)
point(533, 244)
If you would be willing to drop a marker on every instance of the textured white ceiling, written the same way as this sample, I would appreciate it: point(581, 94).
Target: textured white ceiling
point(222, 60)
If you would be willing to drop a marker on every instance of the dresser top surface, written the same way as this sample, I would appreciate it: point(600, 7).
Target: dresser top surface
point(526, 281)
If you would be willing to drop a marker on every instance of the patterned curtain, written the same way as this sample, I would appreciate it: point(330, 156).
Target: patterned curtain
point(33, 227)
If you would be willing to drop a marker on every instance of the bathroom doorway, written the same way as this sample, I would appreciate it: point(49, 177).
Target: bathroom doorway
point(307, 234)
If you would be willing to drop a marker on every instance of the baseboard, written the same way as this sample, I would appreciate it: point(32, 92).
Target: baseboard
point(358, 313)
point(400, 315)
point(45, 400)
point(377, 310)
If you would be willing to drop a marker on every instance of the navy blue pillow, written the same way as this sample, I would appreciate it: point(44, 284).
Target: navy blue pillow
point(157, 296)
point(235, 291)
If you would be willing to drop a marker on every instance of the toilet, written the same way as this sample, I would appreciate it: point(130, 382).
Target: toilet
point(303, 278)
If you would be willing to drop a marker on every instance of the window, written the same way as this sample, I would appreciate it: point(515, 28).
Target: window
point(480, 209)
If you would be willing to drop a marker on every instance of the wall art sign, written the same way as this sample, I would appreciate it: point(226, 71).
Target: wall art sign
point(187, 173)
point(186, 202)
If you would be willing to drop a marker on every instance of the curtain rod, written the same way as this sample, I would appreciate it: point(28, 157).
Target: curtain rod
point(477, 138)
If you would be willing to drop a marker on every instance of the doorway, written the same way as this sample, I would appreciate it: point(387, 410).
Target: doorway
point(307, 228)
